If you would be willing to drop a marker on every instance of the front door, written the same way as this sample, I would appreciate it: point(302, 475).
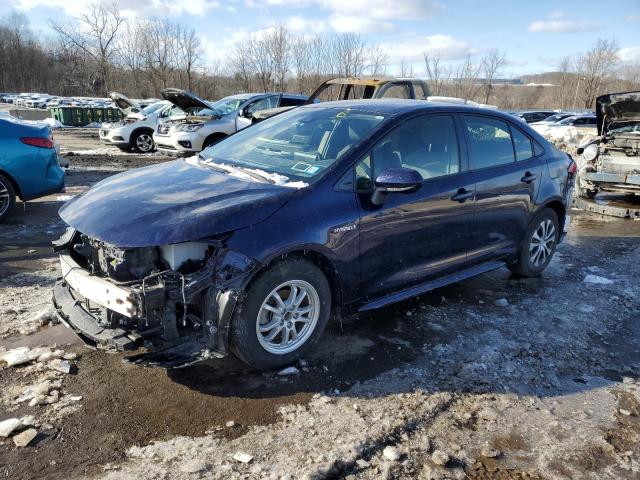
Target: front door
point(415, 236)
point(245, 114)
point(507, 175)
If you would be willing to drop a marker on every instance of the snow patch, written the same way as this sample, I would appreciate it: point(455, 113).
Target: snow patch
point(597, 280)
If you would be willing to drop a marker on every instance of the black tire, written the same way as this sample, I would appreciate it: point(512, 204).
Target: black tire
point(525, 266)
point(7, 197)
point(143, 147)
point(244, 336)
point(212, 140)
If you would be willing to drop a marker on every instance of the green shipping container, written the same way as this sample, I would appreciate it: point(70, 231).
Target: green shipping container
point(81, 116)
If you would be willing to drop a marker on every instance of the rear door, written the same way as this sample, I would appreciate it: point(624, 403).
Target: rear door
point(507, 176)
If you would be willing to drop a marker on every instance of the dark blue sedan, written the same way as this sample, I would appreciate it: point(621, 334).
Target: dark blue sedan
point(329, 209)
point(29, 166)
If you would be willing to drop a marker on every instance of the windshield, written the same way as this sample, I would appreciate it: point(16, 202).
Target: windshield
point(617, 127)
point(154, 107)
point(228, 105)
point(302, 143)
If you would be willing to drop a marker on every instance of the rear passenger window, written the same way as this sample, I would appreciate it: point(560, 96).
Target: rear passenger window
point(521, 145)
point(489, 142)
point(291, 102)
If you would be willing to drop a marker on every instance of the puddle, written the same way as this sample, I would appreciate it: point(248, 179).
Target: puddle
point(58, 334)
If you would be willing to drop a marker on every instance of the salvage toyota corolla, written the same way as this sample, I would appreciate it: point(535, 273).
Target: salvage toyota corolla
point(329, 209)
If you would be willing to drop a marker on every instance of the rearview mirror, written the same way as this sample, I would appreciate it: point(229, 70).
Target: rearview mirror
point(395, 180)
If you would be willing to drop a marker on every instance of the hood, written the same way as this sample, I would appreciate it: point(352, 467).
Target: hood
point(170, 202)
point(617, 107)
point(125, 105)
point(183, 99)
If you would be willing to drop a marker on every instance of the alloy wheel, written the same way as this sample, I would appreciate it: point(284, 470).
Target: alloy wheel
point(542, 243)
point(288, 317)
point(144, 142)
point(5, 199)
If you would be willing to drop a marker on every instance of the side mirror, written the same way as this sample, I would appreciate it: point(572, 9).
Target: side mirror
point(395, 180)
point(246, 113)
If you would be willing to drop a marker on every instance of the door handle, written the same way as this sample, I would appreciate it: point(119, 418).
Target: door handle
point(528, 177)
point(463, 195)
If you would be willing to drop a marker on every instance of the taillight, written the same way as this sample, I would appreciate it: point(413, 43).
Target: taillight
point(573, 168)
point(38, 142)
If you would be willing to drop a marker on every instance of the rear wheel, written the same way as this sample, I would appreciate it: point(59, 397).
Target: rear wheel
point(283, 314)
point(142, 142)
point(538, 245)
point(7, 197)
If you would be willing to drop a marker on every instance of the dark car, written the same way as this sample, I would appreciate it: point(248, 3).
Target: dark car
point(533, 115)
point(329, 209)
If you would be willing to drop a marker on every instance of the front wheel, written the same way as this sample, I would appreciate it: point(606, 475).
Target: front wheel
point(7, 197)
point(143, 142)
point(538, 245)
point(285, 311)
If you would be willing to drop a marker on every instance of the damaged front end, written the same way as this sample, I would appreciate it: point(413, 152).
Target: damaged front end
point(172, 301)
point(611, 162)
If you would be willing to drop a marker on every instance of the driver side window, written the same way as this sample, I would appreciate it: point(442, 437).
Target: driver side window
point(263, 104)
point(427, 144)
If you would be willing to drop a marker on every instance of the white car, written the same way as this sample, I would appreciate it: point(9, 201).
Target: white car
point(207, 123)
point(135, 131)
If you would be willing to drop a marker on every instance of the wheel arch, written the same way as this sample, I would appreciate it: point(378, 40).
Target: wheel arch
point(214, 136)
point(138, 130)
point(559, 208)
point(319, 259)
point(14, 184)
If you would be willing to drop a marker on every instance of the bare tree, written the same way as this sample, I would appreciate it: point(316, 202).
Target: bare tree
point(131, 47)
point(189, 52)
point(160, 47)
point(95, 32)
point(240, 62)
point(436, 73)
point(465, 81)
point(349, 53)
point(279, 47)
point(406, 69)
point(491, 63)
point(595, 67)
point(378, 59)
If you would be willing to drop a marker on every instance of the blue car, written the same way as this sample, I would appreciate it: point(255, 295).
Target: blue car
point(328, 209)
point(29, 166)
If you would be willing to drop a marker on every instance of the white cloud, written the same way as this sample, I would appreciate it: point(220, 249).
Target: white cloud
point(303, 25)
point(556, 23)
point(365, 16)
point(143, 8)
point(629, 54)
point(633, 18)
point(412, 49)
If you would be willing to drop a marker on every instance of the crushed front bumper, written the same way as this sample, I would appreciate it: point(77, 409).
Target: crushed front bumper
point(112, 316)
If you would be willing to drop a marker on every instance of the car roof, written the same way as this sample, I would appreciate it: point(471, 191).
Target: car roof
point(389, 106)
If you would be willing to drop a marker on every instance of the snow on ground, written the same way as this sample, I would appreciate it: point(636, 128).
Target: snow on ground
point(566, 137)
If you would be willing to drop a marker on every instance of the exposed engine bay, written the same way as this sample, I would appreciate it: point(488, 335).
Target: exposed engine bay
point(175, 301)
point(611, 162)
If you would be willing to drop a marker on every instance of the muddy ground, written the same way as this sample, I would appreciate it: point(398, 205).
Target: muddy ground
point(495, 377)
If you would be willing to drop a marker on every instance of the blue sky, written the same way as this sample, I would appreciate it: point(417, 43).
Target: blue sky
point(534, 35)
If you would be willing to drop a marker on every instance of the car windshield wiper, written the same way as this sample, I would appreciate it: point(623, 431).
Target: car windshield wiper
point(230, 168)
point(254, 174)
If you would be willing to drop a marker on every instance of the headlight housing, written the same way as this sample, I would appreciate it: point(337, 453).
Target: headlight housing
point(590, 152)
point(190, 127)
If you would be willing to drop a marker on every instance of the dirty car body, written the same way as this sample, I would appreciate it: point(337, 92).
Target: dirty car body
point(164, 257)
point(611, 162)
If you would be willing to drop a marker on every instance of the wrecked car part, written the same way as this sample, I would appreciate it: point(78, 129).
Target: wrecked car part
point(180, 313)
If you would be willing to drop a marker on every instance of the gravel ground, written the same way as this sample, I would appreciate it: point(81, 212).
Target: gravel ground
point(495, 377)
